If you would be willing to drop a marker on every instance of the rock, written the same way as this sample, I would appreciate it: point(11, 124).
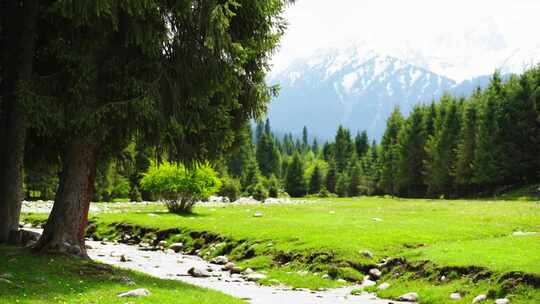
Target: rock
point(254, 277)
point(141, 292)
point(341, 281)
point(502, 301)
point(479, 298)
point(444, 279)
point(123, 258)
point(248, 271)
point(383, 286)
point(228, 266)
point(27, 225)
point(367, 254)
point(376, 219)
point(258, 214)
point(410, 297)
point(177, 247)
point(326, 276)
point(220, 260)
point(455, 296)
point(236, 270)
point(198, 273)
point(367, 282)
point(375, 273)
point(162, 244)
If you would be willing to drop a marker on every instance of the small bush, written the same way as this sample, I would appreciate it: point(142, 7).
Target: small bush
point(258, 191)
point(230, 188)
point(325, 193)
point(179, 187)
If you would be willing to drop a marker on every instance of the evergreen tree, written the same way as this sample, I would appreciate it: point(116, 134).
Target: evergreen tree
point(315, 182)
point(488, 166)
point(466, 147)
point(267, 155)
point(331, 176)
point(411, 151)
point(342, 185)
point(343, 148)
point(295, 184)
point(355, 179)
point(305, 140)
point(361, 143)
point(441, 150)
point(251, 175)
point(390, 153)
point(315, 146)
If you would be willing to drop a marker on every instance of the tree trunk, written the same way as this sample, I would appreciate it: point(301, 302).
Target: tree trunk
point(18, 43)
point(66, 226)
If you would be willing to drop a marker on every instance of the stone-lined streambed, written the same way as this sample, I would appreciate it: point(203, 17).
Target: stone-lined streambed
point(170, 265)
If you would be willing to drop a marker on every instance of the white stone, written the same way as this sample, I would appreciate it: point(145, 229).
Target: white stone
point(410, 296)
point(368, 283)
point(479, 298)
point(248, 271)
point(376, 219)
point(220, 260)
point(502, 301)
point(383, 286)
point(141, 292)
point(375, 273)
point(177, 247)
point(455, 296)
point(258, 214)
point(254, 277)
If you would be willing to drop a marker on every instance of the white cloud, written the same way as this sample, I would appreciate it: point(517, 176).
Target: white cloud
point(427, 25)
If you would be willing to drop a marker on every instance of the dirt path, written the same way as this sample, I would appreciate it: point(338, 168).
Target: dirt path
point(169, 265)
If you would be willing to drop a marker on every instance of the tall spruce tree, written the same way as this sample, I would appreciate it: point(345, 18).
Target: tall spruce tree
point(331, 176)
point(315, 181)
point(390, 153)
point(441, 149)
point(488, 166)
point(361, 143)
point(343, 148)
point(464, 169)
point(411, 150)
point(295, 184)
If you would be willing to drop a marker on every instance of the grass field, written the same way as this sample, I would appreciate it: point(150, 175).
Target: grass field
point(55, 279)
point(444, 232)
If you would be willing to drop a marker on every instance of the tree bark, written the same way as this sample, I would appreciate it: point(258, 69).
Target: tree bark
point(66, 226)
point(18, 44)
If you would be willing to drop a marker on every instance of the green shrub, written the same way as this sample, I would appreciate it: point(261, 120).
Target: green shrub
point(230, 188)
point(325, 193)
point(258, 191)
point(179, 187)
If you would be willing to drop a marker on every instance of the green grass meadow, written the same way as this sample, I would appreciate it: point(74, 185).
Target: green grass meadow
point(460, 233)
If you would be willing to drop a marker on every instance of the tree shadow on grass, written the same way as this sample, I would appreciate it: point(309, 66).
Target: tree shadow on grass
point(29, 278)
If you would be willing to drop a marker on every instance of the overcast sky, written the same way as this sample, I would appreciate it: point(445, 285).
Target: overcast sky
point(315, 24)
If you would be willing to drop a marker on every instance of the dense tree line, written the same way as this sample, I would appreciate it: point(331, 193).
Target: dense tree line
point(450, 148)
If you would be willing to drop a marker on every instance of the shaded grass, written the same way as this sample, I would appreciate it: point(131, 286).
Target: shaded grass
point(58, 279)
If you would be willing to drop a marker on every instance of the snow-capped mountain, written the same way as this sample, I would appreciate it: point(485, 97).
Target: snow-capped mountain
point(359, 87)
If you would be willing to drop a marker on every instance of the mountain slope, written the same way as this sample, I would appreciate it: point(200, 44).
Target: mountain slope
point(355, 88)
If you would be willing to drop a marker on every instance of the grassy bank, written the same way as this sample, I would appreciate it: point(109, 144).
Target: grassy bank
point(28, 278)
point(470, 242)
